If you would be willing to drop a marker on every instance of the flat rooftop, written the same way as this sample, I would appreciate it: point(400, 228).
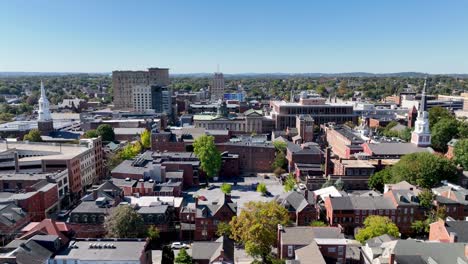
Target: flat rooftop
point(43, 151)
point(119, 251)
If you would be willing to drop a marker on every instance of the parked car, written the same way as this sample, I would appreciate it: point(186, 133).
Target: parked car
point(179, 245)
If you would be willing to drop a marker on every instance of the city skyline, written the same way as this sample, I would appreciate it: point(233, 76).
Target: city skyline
point(243, 37)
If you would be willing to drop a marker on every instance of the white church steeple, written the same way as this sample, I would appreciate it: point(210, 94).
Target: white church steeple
point(44, 111)
point(421, 135)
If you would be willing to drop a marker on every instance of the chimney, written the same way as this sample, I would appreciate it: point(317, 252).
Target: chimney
point(327, 161)
point(278, 239)
point(196, 202)
point(454, 239)
point(142, 185)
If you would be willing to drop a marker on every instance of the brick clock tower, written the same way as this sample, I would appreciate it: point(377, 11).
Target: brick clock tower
point(44, 120)
point(421, 135)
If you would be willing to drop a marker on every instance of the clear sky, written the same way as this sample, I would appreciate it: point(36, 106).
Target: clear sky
point(242, 36)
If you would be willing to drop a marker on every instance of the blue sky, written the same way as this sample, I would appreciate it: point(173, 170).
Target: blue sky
point(241, 36)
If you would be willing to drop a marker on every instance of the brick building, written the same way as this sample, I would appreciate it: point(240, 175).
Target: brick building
point(301, 208)
point(203, 218)
point(342, 140)
point(12, 219)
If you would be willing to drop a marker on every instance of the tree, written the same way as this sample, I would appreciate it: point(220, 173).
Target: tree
point(145, 138)
point(317, 223)
point(289, 183)
point(124, 222)
point(375, 226)
point(437, 113)
point(426, 197)
point(278, 171)
point(209, 156)
point(280, 161)
point(339, 184)
point(463, 129)
point(226, 188)
point(106, 132)
point(280, 146)
point(153, 233)
point(183, 257)
point(34, 135)
point(423, 169)
point(261, 188)
point(405, 134)
point(379, 179)
point(167, 255)
point(256, 227)
point(91, 134)
point(443, 132)
point(224, 229)
point(461, 153)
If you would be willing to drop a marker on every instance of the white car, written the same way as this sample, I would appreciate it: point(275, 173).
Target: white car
point(179, 245)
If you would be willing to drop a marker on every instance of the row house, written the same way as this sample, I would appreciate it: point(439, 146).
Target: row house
point(202, 219)
point(301, 208)
point(349, 212)
point(12, 219)
point(328, 243)
point(88, 217)
point(453, 198)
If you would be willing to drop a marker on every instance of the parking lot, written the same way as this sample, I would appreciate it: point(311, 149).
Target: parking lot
point(242, 192)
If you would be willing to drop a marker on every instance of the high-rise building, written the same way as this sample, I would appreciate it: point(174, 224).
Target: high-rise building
point(44, 120)
point(123, 83)
point(217, 87)
point(421, 135)
point(161, 99)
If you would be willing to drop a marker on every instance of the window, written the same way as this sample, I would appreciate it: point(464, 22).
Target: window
point(340, 250)
point(357, 212)
point(290, 251)
point(406, 211)
point(331, 249)
point(356, 219)
point(412, 210)
point(381, 212)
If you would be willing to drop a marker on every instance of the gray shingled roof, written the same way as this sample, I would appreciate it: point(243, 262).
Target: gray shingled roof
point(293, 201)
point(441, 253)
point(361, 203)
point(458, 227)
point(395, 149)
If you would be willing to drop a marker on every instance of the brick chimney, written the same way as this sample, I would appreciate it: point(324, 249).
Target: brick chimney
point(196, 202)
point(278, 239)
point(327, 161)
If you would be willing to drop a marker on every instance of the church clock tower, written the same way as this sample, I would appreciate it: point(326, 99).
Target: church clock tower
point(44, 120)
point(421, 135)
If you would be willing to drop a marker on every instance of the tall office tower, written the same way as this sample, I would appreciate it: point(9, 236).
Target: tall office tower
point(123, 83)
point(161, 99)
point(217, 87)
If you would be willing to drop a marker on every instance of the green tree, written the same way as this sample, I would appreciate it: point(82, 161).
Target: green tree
point(405, 134)
point(280, 146)
point(379, 179)
point(91, 134)
point(426, 197)
point(256, 227)
point(146, 139)
point(261, 188)
point(289, 183)
point(106, 132)
point(34, 135)
point(463, 129)
point(124, 222)
point(461, 153)
point(280, 161)
point(423, 169)
point(420, 227)
point(209, 156)
point(226, 188)
point(223, 229)
point(375, 226)
point(183, 257)
point(153, 233)
point(317, 223)
point(437, 113)
point(339, 184)
point(167, 255)
point(443, 132)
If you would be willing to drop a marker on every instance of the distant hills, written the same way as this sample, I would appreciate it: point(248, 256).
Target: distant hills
point(249, 75)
